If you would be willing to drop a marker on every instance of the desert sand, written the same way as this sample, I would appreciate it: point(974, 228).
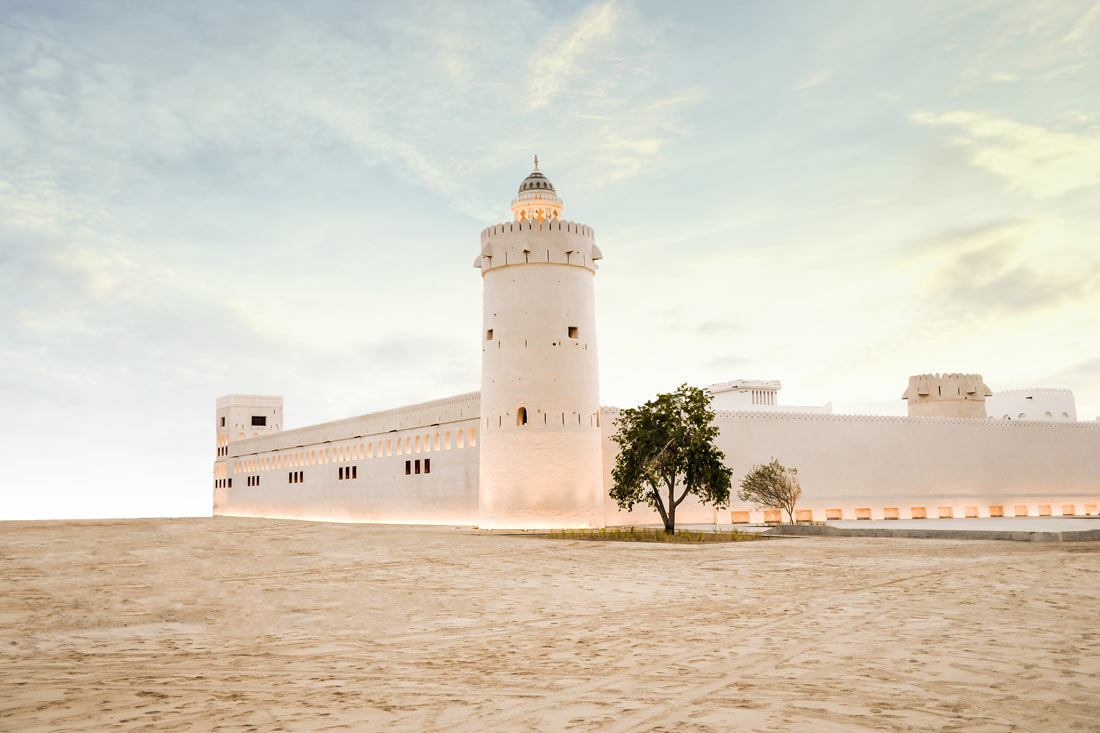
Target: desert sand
point(247, 624)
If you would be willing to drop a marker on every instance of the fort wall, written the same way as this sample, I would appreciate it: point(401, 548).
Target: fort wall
point(410, 465)
point(878, 467)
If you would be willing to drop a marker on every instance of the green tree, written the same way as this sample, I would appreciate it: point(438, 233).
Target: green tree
point(665, 445)
point(772, 485)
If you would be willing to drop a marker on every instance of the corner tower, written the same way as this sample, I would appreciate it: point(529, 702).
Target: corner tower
point(947, 395)
point(540, 453)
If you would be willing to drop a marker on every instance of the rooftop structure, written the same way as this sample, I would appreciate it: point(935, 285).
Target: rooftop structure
point(755, 394)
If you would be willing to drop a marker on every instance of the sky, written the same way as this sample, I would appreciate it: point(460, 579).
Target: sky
point(206, 198)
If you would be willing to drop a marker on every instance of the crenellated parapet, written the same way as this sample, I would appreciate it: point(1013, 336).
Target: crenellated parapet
point(610, 414)
point(530, 242)
point(1053, 391)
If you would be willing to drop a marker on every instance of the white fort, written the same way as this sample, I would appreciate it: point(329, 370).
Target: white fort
point(533, 448)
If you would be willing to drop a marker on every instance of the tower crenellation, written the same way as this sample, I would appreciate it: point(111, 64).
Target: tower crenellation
point(526, 242)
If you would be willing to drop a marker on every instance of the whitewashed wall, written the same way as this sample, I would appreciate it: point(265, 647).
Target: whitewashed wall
point(1032, 404)
point(852, 462)
point(442, 431)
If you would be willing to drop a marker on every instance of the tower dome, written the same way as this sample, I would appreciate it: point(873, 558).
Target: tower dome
point(536, 180)
point(537, 200)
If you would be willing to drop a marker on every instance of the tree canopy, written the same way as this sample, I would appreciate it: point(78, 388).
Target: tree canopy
point(772, 485)
point(667, 445)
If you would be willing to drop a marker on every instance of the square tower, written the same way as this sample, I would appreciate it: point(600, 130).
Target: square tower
point(241, 416)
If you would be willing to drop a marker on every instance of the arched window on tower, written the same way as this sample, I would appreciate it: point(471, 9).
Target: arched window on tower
point(521, 416)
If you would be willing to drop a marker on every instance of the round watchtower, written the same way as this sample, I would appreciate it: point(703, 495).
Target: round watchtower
point(540, 449)
point(946, 395)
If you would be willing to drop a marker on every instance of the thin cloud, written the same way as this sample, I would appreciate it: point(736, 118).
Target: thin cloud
point(1029, 158)
point(559, 56)
point(815, 80)
point(1082, 30)
point(987, 273)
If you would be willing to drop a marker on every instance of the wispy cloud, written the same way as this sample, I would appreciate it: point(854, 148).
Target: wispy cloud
point(990, 271)
point(1030, 158)
point(559, 56)
point(1085, 26)
point(815, 80)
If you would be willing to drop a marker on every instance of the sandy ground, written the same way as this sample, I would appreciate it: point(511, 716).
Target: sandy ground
point(244, 624)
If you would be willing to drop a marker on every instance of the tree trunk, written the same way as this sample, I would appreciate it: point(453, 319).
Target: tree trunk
point(670, 524)
point(660, 506)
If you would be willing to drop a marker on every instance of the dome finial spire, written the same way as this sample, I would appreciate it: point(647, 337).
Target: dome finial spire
point(536, 162)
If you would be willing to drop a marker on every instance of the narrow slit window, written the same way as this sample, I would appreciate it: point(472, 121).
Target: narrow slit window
point(427, 465)
point(408, 467)
point(417, 468)
point(355, 471)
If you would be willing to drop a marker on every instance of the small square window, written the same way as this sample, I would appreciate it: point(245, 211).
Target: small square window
point(489, 335)
point(573, 331)
point(259, 420)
